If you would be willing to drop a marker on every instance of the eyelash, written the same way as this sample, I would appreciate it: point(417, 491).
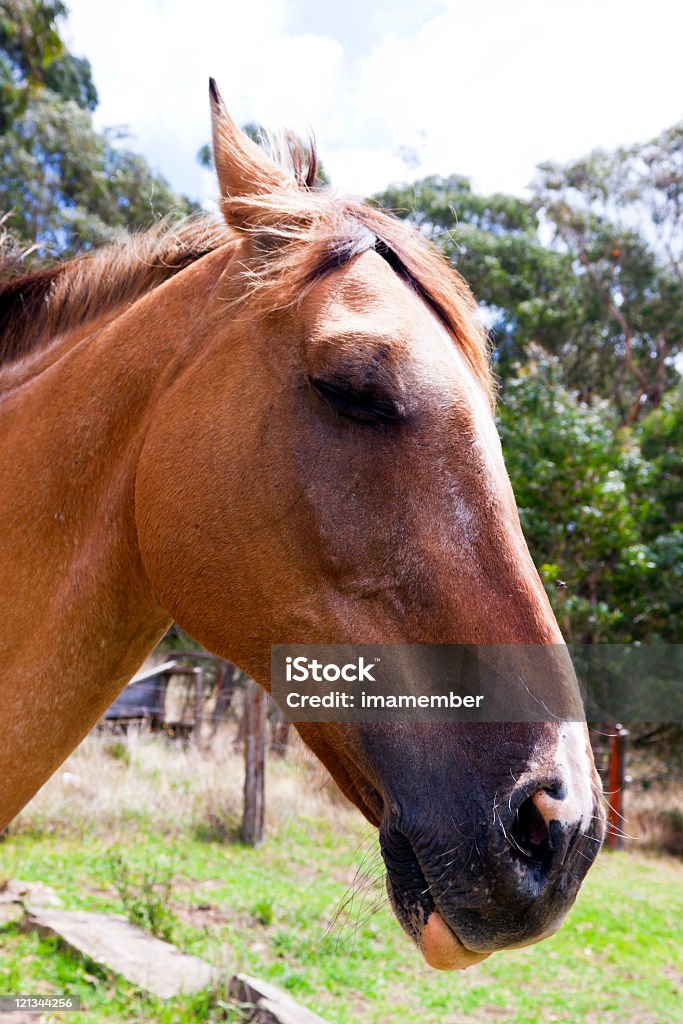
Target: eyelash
point(361, 407)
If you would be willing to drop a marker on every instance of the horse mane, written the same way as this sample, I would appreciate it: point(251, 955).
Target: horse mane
point(34, 308)
point(300, 234)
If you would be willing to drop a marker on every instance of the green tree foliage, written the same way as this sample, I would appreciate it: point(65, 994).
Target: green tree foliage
point(619, 216)
point(64, 186)
point(32, 55)
point(660, 436)
point(569, 472)
point(71, 78)
point(67, 187)
point(601, 507)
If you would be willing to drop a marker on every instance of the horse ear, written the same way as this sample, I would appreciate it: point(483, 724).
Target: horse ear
point(244, 171)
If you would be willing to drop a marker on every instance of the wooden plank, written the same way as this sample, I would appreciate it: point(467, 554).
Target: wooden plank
point(268, 1012)
point(14, 890)
point(272, 1005)
point(112, 942)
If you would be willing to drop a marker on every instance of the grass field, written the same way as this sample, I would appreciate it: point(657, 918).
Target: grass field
point(171, 818)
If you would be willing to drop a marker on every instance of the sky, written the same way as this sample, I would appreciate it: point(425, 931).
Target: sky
point(392, 89)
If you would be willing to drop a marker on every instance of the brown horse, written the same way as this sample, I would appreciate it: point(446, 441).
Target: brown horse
point(280, 429)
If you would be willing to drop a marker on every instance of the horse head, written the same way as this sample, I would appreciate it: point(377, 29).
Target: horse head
point(326, 468)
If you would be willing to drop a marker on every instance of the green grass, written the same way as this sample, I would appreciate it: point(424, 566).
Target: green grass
point(266, 912)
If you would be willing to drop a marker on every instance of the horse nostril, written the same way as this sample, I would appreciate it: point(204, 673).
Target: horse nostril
point(530, 832)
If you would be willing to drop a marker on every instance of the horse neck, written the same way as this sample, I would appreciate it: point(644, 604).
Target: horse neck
point(77, 610)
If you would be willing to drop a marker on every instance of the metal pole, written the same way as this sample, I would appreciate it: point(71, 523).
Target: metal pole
point(616, 776)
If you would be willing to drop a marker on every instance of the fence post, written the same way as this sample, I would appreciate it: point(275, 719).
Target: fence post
point(198, 704)
point(256, 725)
point(279, 731)
point(225, 688)
point(616, 777)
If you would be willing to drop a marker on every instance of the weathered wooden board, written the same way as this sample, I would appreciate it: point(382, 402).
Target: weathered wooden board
point(268, 1012)
point(158, 967)
point(272, 1005)
point(119, 946)
point(14, 890)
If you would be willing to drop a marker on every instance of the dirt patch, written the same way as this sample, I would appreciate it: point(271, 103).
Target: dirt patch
point(635, 1016)
point(18, 1017)
point(187, 885)
point(203, 915)
point(673, 975)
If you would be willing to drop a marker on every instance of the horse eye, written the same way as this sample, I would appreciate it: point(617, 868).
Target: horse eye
point(357, 405)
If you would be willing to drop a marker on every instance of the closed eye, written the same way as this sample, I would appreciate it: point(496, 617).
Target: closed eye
point(365, 406)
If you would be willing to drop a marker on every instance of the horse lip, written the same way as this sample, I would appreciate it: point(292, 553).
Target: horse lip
point(422, 919)
point(415, 906)
point(443, 949)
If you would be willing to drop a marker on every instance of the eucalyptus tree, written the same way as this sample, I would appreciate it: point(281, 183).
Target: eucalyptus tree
point(618, 216)
point(64, 186)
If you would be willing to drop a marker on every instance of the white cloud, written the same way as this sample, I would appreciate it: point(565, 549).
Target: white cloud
point(152, 61)
point(485, 87)
point(497, 87)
